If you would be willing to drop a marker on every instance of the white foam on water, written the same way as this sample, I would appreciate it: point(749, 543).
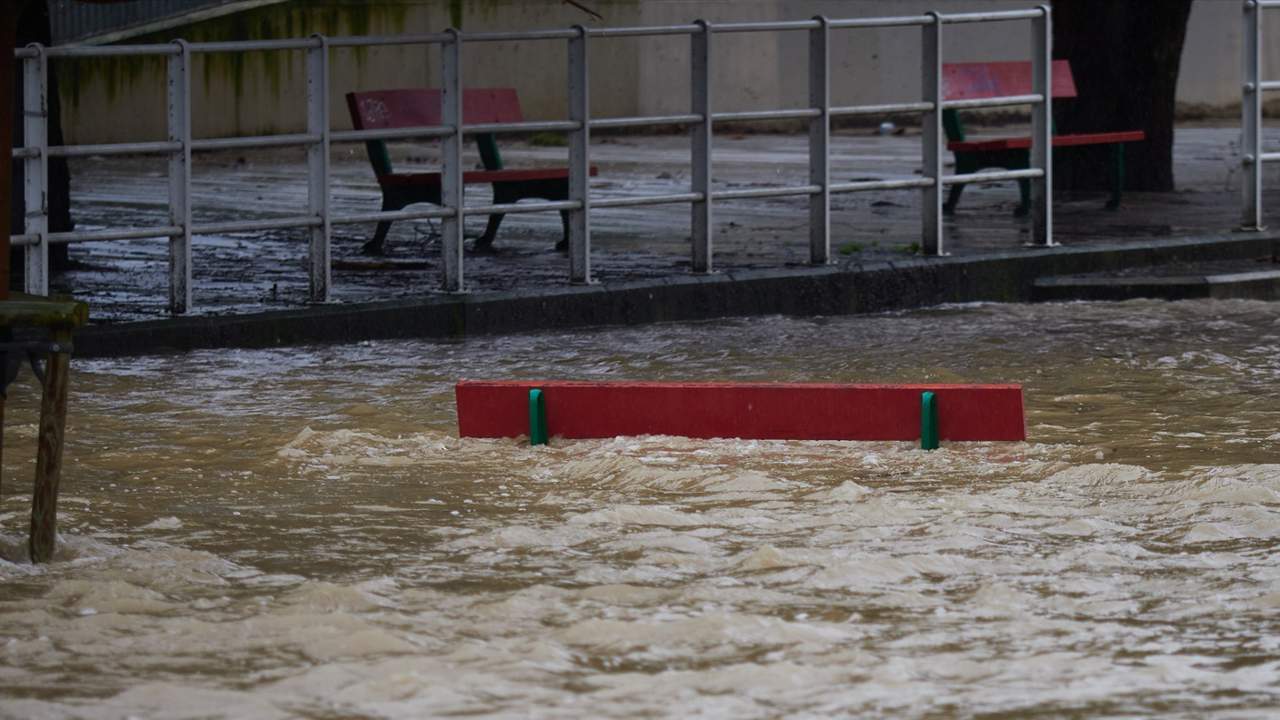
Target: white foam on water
point(623, 515)
point(302, 534)
point(166, 523)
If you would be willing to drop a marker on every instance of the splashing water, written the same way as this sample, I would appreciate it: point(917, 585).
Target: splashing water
point(300, 533)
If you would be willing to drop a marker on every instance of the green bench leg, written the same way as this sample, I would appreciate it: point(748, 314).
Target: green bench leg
point(965, 163)
point(537, 417)
point(1024, 198)
point(972, 162)
point(928, 421)
point(512, 191)
point(1117, 175)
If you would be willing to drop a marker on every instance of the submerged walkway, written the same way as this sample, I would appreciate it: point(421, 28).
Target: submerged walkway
point(262, 272)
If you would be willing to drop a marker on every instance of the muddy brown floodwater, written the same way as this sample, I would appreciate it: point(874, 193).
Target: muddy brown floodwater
point(300, 533)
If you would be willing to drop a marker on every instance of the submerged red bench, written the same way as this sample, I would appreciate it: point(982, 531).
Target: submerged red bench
point(384, 109)
point(783, 411)
point(964, 81)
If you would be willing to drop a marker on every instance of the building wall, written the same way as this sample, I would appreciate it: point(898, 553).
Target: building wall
point(122, 99)
point(1212, 56)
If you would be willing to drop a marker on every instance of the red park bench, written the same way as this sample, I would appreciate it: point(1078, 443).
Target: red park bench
point(383, 109)
point(963, 81)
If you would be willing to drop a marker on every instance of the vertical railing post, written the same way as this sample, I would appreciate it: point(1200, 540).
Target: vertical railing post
point(452, 196)
point(700, 145)
point(1251, 118)
point(179, 104)
point(579, 159)
point(1042, 129)
point(820, 143)
point(931, 135)
point(35, 128)
point(318, 167)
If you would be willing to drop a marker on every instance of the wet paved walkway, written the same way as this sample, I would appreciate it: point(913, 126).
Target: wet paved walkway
point(247, 272)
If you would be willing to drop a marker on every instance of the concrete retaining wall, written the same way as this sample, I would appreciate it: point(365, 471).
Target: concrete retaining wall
point(1005, 277)
point(122, 99)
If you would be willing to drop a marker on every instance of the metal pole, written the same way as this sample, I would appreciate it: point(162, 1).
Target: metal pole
point(35, 127)
point(451, 163)
point(179, 102)
point(931, 135)
point(820, 143)
point(1251, 118)
point(700, 145)
point(1042, 129)
point(318, 167)
point(579, 159)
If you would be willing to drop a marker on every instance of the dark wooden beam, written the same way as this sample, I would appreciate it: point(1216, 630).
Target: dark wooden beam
point(9, 11)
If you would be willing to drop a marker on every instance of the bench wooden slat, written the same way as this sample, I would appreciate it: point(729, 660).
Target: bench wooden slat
point(1022, 143)
point(975, 80)
point(972, 80)
point(793, 411)
point(383, 109)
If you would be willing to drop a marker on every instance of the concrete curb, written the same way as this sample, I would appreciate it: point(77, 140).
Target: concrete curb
point(832, 290)
point(1256, 285)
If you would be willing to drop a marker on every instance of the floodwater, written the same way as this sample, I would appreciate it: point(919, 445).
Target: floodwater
point(300, 533)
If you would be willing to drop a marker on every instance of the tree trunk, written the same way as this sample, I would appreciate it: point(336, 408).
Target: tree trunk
point(8, 34)
point(1124, 55)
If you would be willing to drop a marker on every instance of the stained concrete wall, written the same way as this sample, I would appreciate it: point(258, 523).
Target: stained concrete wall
point(122, 99)
point(1212, 56)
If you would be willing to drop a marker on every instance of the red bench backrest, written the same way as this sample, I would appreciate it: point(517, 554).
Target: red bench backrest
point(382, 109)
point(967, 81)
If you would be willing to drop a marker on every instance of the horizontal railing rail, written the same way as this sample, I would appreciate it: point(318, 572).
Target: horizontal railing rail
point(392, 215)
point(992, 176)
point(869, 185)
point(882, 22)
point(992, 102)
point(319, 136)
point(673, 198)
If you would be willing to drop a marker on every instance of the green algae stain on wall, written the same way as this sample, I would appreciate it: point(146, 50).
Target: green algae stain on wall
point(485, 10)
point(115, 77)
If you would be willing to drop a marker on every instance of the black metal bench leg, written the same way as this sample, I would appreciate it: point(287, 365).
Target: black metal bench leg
point(953, 198)
point(563, 245)
point(1024, 198)
point(485, 241)
point(1117, 175)
point(375, 245)
point(965, 163)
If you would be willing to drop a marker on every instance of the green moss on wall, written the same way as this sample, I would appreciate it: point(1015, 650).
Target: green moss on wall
point(114, 75)
point(488, 10)
point(297, 18)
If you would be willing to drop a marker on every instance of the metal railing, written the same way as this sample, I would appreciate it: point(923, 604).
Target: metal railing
point(453, 210)
point(1252, 155)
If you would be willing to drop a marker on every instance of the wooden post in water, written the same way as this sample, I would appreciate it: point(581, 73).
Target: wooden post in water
point(60, 318)
point(53, 423)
